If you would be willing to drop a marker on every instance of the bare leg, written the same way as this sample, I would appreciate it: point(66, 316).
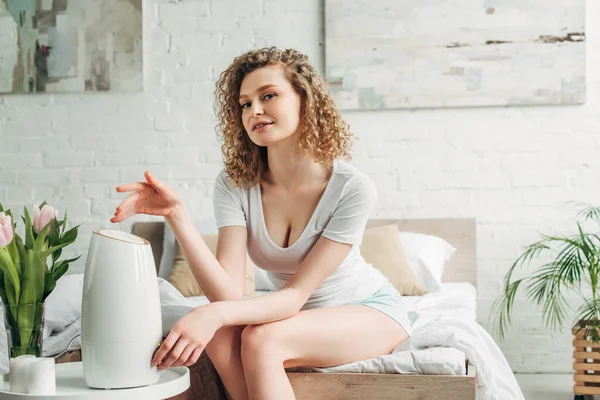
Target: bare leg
point(321, 337)
point(267, 378)
point(224, 352)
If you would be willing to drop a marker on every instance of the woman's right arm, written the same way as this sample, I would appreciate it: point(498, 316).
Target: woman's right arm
point(222, 277)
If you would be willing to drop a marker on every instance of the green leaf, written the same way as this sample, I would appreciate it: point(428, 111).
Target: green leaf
point(29, 239)
point(3, 296)
point(3, 290)
point(11, 278)
point(60, 271)
point(40, 243)
point(587, 211)
point(56, 240)
point(576, 258)
point(22, 254)
point(544, 289)
point(51, 250)
point(12, 297)
point(54, 234)
point(62, 262)
point(56, 255)
point(503, 306)
point(33, 279)
point(70, 235)
point(13, 252)
point(32, 293)
point(49, 285)
point(64, 223)
point(588, 318)
point(1, 208)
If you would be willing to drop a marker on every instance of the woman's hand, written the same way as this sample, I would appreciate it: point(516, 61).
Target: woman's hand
point(188, 338)
point(150, 197)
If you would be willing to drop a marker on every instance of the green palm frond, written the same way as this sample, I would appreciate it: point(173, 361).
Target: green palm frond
point(576, 259)
point(586, 211)
point(532, 251)
point(569, 261)
point(577, 255)
point(544, 289)
point(588, 318)
point(503, 306)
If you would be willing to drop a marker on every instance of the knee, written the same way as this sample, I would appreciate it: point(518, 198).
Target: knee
point(259, 341)
point(226, 340)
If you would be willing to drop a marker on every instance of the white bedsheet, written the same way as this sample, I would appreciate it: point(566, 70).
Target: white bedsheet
point(444, 333)
point(455, 300)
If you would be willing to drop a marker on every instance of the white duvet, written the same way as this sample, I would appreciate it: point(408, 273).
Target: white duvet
point(444, 333)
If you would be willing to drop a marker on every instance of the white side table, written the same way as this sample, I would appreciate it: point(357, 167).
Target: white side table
point(70, 385)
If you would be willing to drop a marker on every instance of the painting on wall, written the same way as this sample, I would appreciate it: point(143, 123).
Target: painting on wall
point(70, 45)
point(389, 54)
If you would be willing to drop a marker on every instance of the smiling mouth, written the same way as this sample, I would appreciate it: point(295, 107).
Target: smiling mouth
point(262, 125)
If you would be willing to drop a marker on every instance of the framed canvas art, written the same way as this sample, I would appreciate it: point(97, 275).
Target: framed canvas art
point(389, 54)
point(70, 45)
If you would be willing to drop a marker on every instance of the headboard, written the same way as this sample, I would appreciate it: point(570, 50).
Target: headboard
point(460, 233)
point(154, 232)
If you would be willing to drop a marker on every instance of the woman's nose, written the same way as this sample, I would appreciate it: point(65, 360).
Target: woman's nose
point(257, 108)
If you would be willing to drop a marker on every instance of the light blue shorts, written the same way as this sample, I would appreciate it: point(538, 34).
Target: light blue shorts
point(389, 301)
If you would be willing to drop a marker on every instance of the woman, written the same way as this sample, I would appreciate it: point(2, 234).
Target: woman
point(287, 198)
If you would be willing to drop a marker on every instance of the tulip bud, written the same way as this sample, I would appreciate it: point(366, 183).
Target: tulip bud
point(6, 230)
point(43, 217)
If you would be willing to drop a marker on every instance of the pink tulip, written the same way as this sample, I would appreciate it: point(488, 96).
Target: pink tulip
point(6, 230)
point(43, 217)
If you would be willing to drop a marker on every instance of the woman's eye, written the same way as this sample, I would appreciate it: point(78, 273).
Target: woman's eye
point(245, 105)
point(269, 96)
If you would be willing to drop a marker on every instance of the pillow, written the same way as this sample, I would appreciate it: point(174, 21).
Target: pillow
point(427, 256)
point(182, 278)
point(382, 248)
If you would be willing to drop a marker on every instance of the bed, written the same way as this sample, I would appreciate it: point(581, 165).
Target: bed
point(317, 385)
point(480, 371)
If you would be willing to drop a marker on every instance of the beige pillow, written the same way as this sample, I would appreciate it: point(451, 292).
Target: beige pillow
point(381, 247)
point(182, 278)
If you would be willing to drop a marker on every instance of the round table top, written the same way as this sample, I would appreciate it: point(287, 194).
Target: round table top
point(70, 385)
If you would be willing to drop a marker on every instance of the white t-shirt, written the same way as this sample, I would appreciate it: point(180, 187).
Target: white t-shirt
point(341, 215)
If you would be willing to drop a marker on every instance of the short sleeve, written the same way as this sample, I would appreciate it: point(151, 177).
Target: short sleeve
point(227, 203)
point(349, 218)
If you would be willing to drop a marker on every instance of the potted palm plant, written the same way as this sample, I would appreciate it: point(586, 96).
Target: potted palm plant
point(567, 263)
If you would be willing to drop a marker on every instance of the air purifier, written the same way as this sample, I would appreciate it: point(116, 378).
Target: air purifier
point(121, 318)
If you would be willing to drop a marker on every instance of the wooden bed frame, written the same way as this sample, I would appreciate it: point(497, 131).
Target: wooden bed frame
point(206, 384)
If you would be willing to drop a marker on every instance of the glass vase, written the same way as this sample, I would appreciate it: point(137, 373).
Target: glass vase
point(24, 328)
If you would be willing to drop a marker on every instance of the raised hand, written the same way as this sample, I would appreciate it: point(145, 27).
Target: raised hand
point(150, 197)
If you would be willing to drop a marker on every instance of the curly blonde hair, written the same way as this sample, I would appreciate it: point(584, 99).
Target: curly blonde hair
point(325, 136)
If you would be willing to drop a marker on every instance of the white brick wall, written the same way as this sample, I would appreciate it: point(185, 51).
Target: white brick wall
point(511, 168)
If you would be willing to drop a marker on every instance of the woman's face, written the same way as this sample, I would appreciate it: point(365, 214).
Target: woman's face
point(270, 106)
